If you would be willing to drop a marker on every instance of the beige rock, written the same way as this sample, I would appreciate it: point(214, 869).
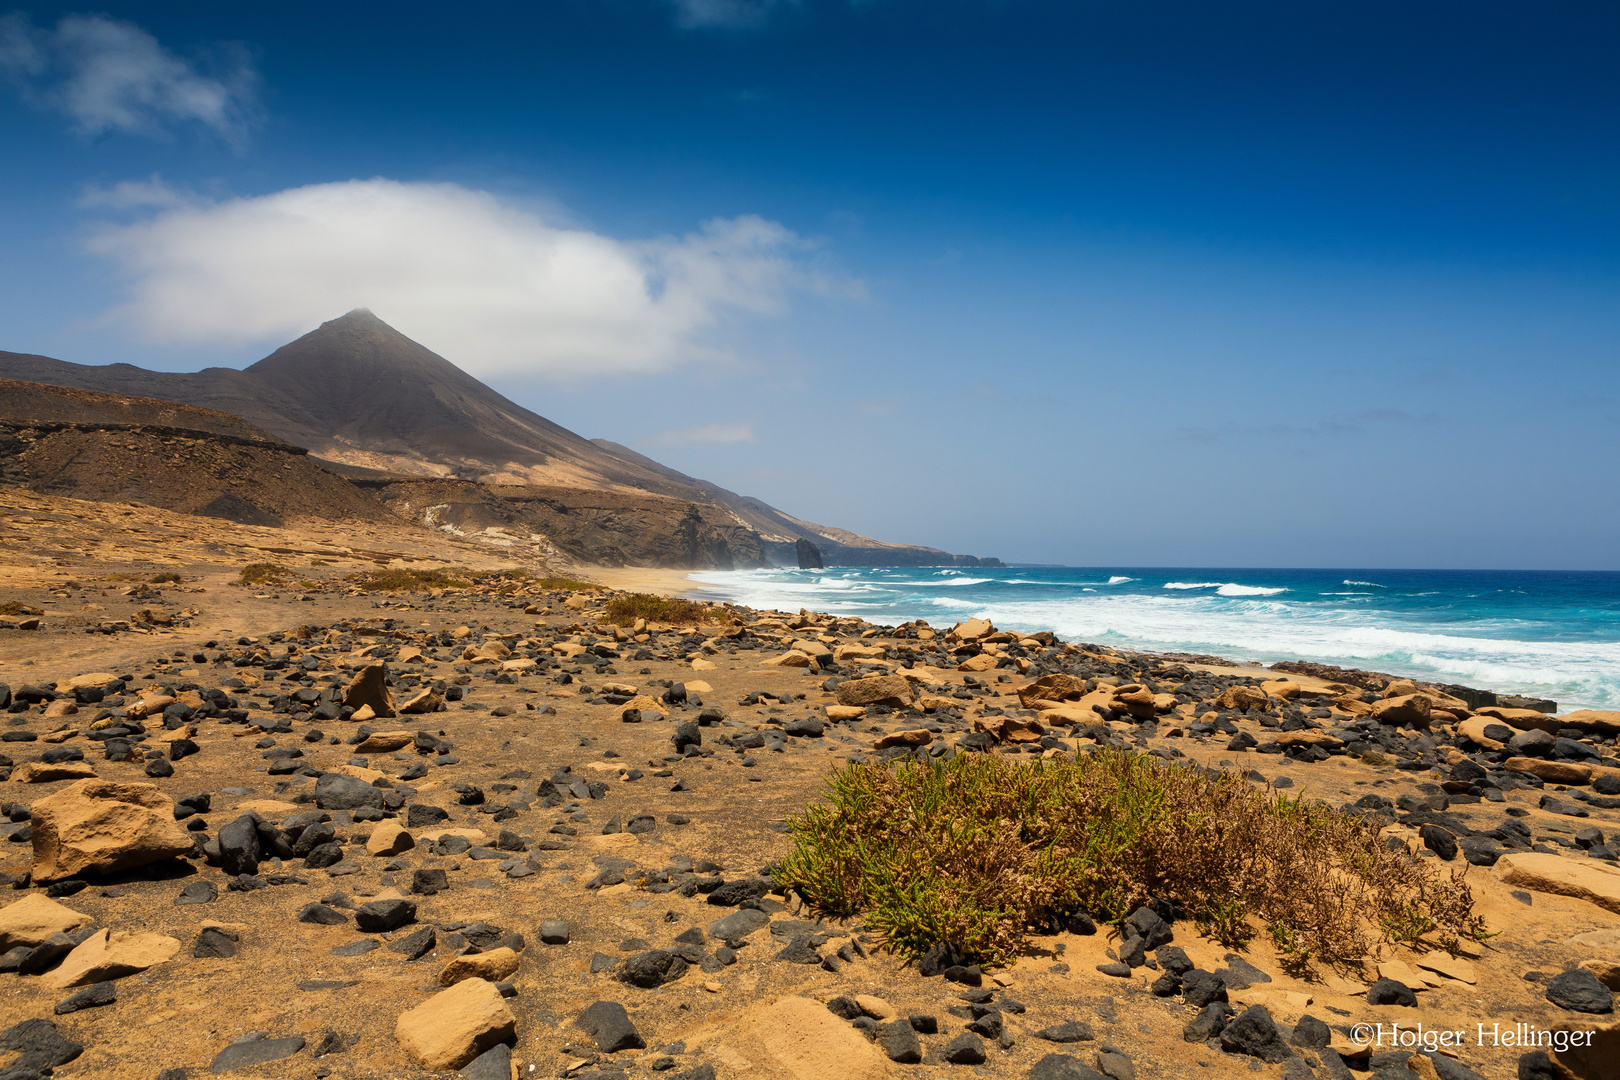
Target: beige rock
point(1052, 688)
point(1559, 772)
point(38, 772)
point(1404, 973)
point(1067, 715)
point(474, 837)
point(982, 662)
point(461, 632)
point(98, 826)
point(892, 690)
point(1474, 729)
point(368, 688)
point(409, 654)
point(576, 602)
point(1602, 940)
point(1399, 688)
point(1606, 970)
point(845, 712)
point(1604, 721)
point(389, 838)
point(1523, 719)
point(858, 652)
point(150, 706)
point(93, 678)
point(1135, 699)
point(933, 702)
point(698, 686)
point(792, 658)
point(384, 742)
point(110, 955)
point(1598, 1061)
point(1281, 688)
point(1452, 967)
point(521, 664)
point(495, 965)
point(60, 707)
point(806, 1042)
point(875, 1007)
point(1309, 738)
point(972, 630)
point(1010, 728)
point(700, 664)
point(33, 919)
point(269, 809)
point(646, 703)
point(364, 712)
point(917, 737)
point(1585, 879)
point(1242, 698)
point(1421, 1066)
point(454, 1026)
point(1410, 709)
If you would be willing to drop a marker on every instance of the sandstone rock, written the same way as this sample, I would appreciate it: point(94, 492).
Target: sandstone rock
point(1598, 1058)
point(1136, 700)
point(1242, 698)
point(791, 658)
point(1473, 729)
point(576, 602)
point(384, 742)
point(1309, 738)
point(429, 700)
point(645, 703)
point(454, 1026)
point(389, 838)
point(1523, 719)
point(1586, 879)
point(98, 826)
point(33, 919)
point(110, 955)
point(857, 652)
point(1606, 722)
point(844, 712)
point(1557, 772)
point(39, 772)
point(971, 630)
point(700, 664)
point(1413, 709)
point(892, 690)
point(982, 662)
point(1282, 688)
point(1399, 688)
point(495, 965)
point(1055, 688)
point(367, 688)
point(1606, 970)
point(915, 737)
point(1015, 729)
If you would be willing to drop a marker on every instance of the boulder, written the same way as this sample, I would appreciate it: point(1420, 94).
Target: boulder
point(99, 826)
point(1409, 709)
point(915, 737)
point(40, 772)
point(385, 742)
point(335, 791)
point(1014, 729)
point(454, 1026)
point(982, 662)
point(389, 838)
point(1242, 698)
point(1055, 688)
point(891, 690)
point(1601, 721)
point(971, 630)
point(791, 658)
point(845, 713)
point(34, 918)
point(1555, 772)
point(609, 1024)
point(495, 965)
point(368, 689)
point(429, 700)
point(1585, 879)
point(1473, 729)
point(110, 955)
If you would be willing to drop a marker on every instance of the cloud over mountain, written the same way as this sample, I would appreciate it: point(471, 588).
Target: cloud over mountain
point(497, 285)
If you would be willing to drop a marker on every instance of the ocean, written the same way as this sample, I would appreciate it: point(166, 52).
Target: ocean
point(1545, 634)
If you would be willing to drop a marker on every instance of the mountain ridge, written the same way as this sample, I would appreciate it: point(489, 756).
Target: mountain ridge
point(359, 394)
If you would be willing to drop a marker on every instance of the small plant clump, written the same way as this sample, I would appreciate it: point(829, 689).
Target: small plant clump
point(164, 578)
point(980, 850)
point(399, 579)
point(571, 584)
point(626, 608)
point(263, 573)
point(14, 607)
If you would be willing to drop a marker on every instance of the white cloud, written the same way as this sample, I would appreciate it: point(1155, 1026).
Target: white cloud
point(137, 195)
point(496, 287)
point(112, 76)
point(733, 432)
point(691, 14)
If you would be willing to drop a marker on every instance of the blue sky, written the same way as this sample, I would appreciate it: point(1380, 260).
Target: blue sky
point(1112, 284)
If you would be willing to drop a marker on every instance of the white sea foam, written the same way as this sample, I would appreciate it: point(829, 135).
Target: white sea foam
point(1119, 579)
point(1192, 585)
point(1369, 584)
point(1248, 590)
point(1346, 630)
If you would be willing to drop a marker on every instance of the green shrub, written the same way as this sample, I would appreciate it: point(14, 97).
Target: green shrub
point(984, 848)
point(262, 573)
point(626, 608)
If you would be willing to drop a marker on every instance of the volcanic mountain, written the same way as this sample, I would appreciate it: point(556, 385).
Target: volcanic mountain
point(374, 404)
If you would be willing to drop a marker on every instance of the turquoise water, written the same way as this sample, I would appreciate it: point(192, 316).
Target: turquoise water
point(1538, 633)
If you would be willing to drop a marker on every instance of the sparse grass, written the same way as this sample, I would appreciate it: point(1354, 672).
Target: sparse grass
point(163, 578)
point(626, 608)
point(571, 584)
point(981, 849)
point(397, 579)
point(14, 607)
point(263, 573)
point(319, 562)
